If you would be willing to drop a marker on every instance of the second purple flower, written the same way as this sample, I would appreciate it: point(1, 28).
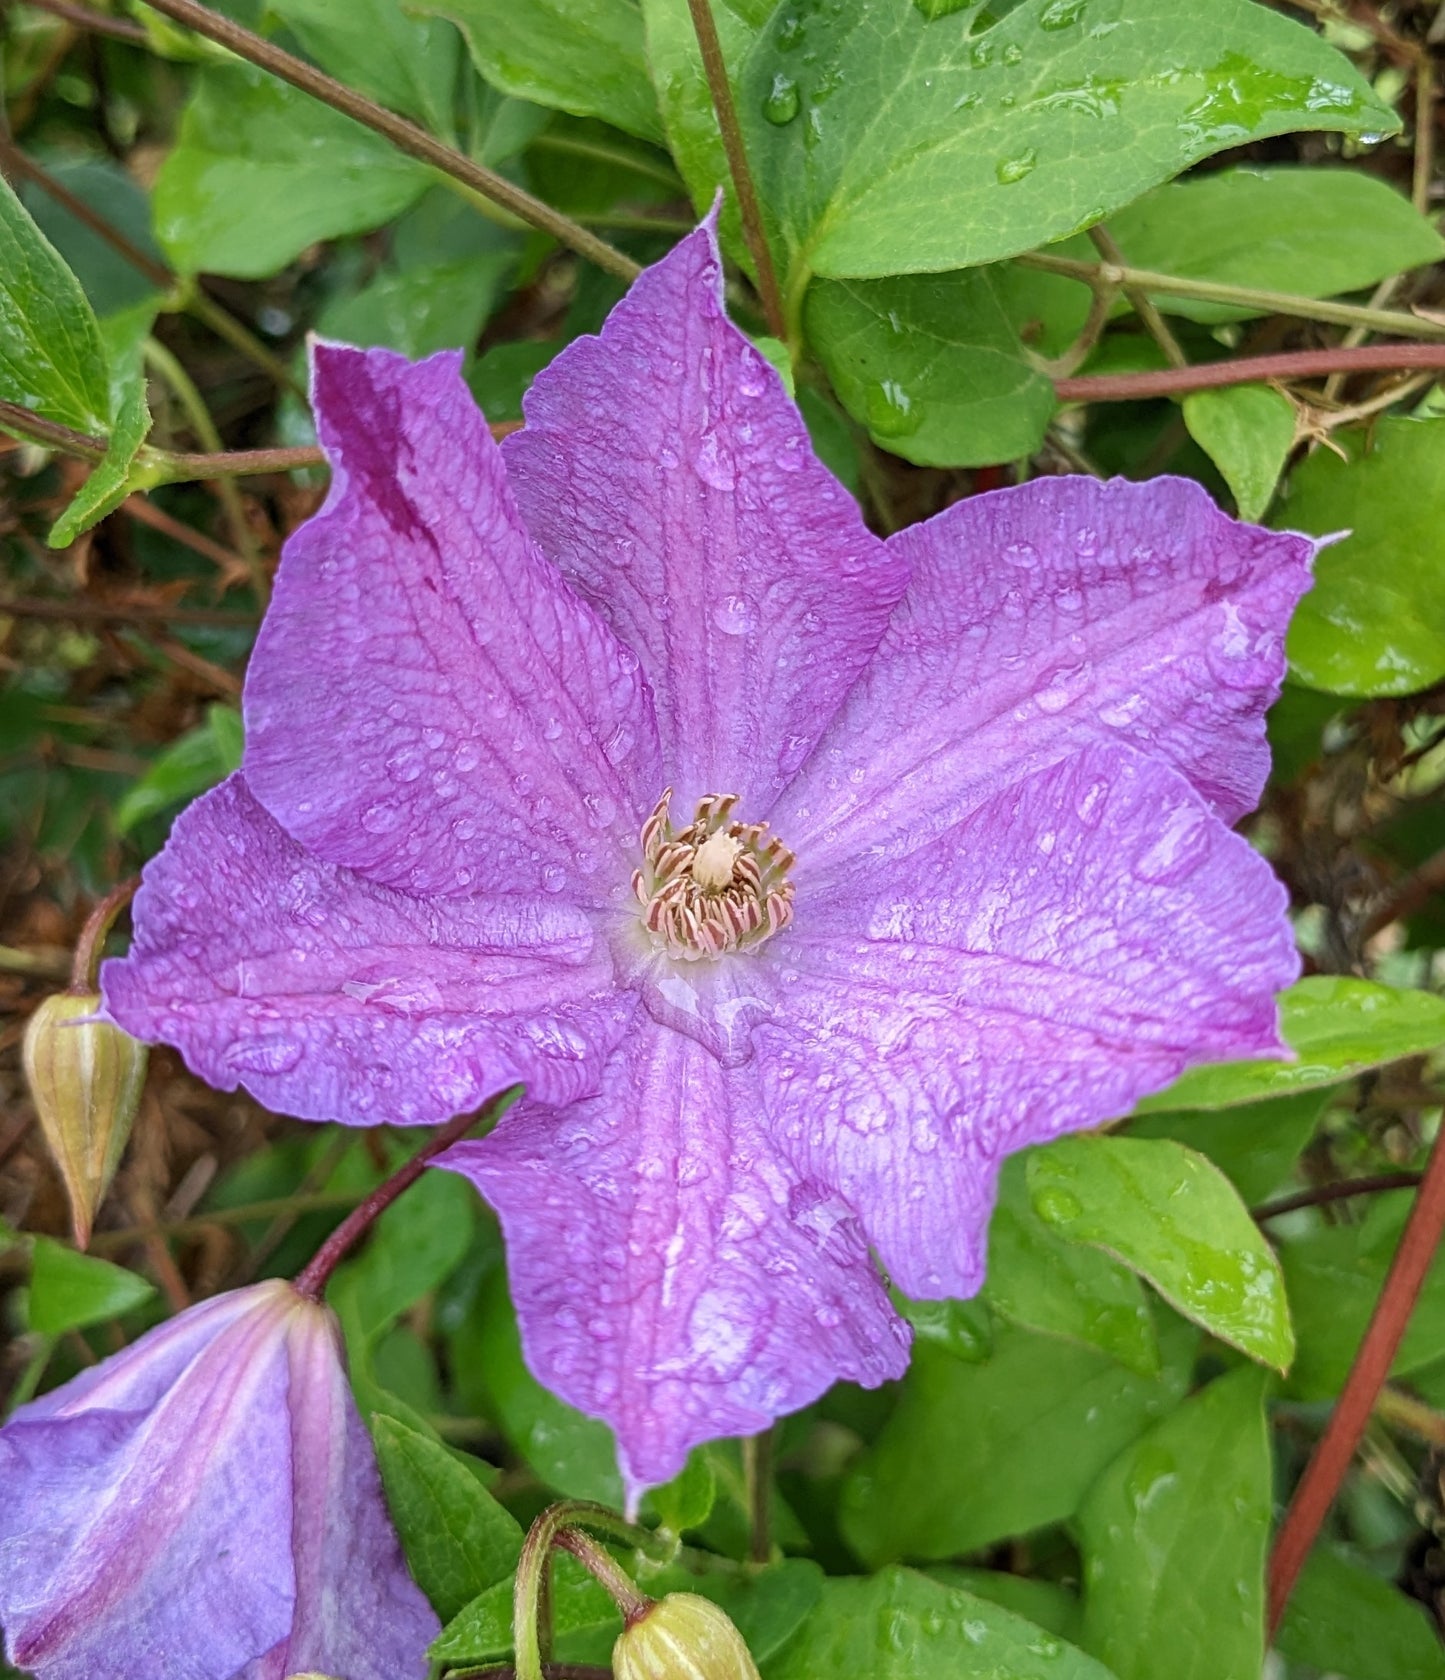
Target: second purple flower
point(799, 875)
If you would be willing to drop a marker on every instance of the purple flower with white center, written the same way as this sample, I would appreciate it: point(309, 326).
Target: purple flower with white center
point(799, 875)
point(205, 1506)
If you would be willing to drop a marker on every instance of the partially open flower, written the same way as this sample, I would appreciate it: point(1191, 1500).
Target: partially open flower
point(205, 1506)
point(85, 1076)
point(682, 1637)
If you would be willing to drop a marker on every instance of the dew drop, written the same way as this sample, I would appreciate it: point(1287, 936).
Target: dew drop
point(1059, 14)
point(1011, 170)
point(736, 615)
point(554, 878)
point(1057, 1207)
point(782, 102)
point(380, 819)
point(892, 412)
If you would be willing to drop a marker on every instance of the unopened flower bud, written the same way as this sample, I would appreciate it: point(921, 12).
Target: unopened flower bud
point(682, 1637)
point(85, 1077)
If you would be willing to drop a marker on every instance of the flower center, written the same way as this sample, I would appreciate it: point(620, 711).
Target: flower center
point(714, 886)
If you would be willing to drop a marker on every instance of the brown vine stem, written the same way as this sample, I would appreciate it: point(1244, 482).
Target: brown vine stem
point(404, 135)
point(1332, 1457)
point(1245, 370)
point(715, 68)
point(1320, 1195)
point(311, 1281)
point(85, 967)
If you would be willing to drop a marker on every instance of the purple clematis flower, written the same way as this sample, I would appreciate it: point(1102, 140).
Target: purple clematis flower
point(205, 1506)
point(799, 875)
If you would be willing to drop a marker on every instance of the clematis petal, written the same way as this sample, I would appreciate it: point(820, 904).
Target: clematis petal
point(671, 1274)
point(358, 1613)
point(429, 703)
point(1074, 944)
point(666, 471)
point(138, 1542)
point(205, 1504)
point(333, 998)
point(1042, 618)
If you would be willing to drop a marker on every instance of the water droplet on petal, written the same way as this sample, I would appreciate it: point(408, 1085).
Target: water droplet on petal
point(736, 615)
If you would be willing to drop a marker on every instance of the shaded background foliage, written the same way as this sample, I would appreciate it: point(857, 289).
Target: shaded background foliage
point(1079, 1474)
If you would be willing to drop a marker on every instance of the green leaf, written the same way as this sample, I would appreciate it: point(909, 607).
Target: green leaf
point(482, 1631)
point(685, 100)
point(962, 1328)
point(123, 336)
point(1055, 1608)
point(109, 280)
point(582, 56)
point(1173, 1217)
point(1248, 432)
point(1343, 1619)
point(70, 1290)
point(886, 143)
point(1174, 1538)
point(574, 1454)
point(414, 1246)
point(52, 360)
point(260, 171)
point(1043, 1282)
point(1374, 623)
point(1336, 1027)
point(407, 63)
point(900, 1625)
point(972, 1454)
point(932, 366)
point(420, 310)
point(1254, 1145)
point(1312, 231)
point(190, 765)
point(687, 1500)
point(1334, 1275)
point(458, 1540)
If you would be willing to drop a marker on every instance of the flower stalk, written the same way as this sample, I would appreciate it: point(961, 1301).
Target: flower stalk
point(311, 1281)
point(561, 1526)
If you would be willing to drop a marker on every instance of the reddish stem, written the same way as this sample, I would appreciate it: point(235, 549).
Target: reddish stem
point(83, 970)
point(312, 1280)
point(1341, 1191)
point(1332, 1457)
point(1288, 364)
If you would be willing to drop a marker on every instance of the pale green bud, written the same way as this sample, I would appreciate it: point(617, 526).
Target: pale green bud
point(85, 1078)
point(682, 1637)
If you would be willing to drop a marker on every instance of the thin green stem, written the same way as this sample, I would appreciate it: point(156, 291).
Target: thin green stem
point(715, 68)
point(530, 1637)
point(758, 1479)
point(1240, 297)
point(405, 135)
point(193, 404)
point(1142, 304)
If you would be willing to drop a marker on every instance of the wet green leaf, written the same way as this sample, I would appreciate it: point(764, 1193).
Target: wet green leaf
point(413, 1247)
point(376, 46)
point(884, 142)
point(482, 1630)
point(1344, 1619)
point(1172, 1216)
point(687, 1500)
point(190, 765)
point(962, 1328)
point(1174, 1538)
point(1334, 1275)
point(1054, 1607)
point(1247, 431)
point(1374, 623)
point(52, 360)
point(1337, 1028)
point(70, 1290)
point(458, 1540)
point(419, 310)
point(975, 1453)
point(109, 280)
point(260, 171)
point(932, 366)
point(582, 56)
point(571, 1453)
point(1312, 231)
point(1044, 1282)
point(900, 1625)
point(1253, 1145)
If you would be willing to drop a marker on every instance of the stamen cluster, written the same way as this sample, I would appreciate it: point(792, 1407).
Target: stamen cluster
point(714, 886)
